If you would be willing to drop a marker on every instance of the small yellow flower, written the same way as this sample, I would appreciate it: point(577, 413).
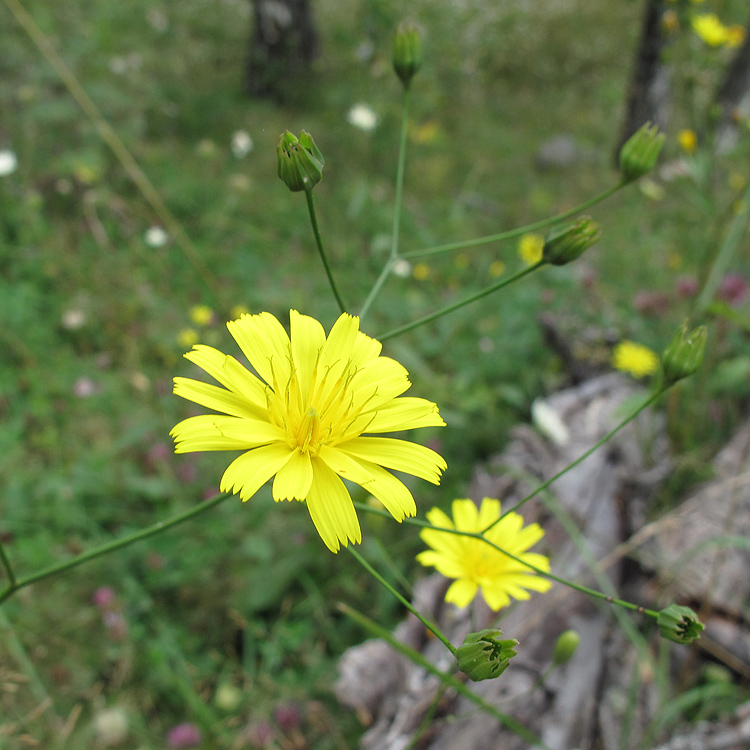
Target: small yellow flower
point(428, 132)
point(474, 563)
point(688, 141)
point(421, 271)
point(709, 28)
point(735, 36)
point(530, 248)
point(239, 310)
point(497, 268)
point(304, 420)
point(674, 261)
point(187, 337)
point(201, 315)
point(634, 358)
point(462, 261)
point(670, 22)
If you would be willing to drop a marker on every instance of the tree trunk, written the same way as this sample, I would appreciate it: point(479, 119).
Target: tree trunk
point(283, 45)
point(648, 93)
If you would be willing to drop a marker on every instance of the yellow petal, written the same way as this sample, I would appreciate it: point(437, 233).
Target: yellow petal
point(496, 596)
point(466, 515)
point(248, 473)
point(294, 478)
point(461, 592)
point(229, 372)
point(331, 508)
point(406, 413)
point(218, 399)
point(266, 345)
point(445, 565)
point(308, 338)
point(365, 349)
point(399, 455)
point(489, 512)
point(378, 382)
point(394, 495)
point(211, 432)
point(336, 354)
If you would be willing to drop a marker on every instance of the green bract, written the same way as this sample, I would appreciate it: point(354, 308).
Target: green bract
point(640, 152)
point(484, 656)
point(565, 647)
point(407, 52)
point(679, 624)
point(568, 243)
point(684, 354)
point(300, 161)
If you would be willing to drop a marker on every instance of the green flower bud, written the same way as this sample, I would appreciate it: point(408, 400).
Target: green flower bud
point(684, 354)
point(407, 52)
point(640, 152)
point(484, 656)
point(565, 647)
point(679, 624)
point(565, 244)
point(300, 161)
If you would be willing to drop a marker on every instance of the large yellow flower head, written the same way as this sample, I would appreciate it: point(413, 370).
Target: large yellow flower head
point(474, 563)
point(303, 421)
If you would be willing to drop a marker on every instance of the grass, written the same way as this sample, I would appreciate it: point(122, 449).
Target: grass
point(247, 596)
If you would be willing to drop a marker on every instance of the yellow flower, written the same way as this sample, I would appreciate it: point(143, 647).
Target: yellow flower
point(497, 268)
point(474, 563)
point(201, 315)
point(688, 140)
point(239, 310)
point(735, 36)
point(530, 248)
point(421, 271)
point(634, 358)
point(303, 420)
point(187, 337)
point(709, 28)
point(670, 22)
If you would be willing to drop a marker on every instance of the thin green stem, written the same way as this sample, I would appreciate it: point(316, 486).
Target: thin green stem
point(650, 400)
point(7, 565)
point(457, 305)
point(431, 626)
point(479, 535)
point(115, 544)
point(377, 286)
point(321, 249)
point(509, 234)
point(445, 677)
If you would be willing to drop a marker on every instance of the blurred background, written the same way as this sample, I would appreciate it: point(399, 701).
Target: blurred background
point(228, 627)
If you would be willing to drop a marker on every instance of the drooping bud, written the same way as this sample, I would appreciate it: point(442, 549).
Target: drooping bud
point(684, 354)
point(679, 624)
point(565, 647)
point(407, 52)
point(300, 161)
point(484, 655)
point(640, 152)
point(567, 243)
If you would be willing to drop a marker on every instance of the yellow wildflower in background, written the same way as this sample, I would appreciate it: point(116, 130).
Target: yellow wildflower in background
point(530, 248)
point(634, 358)
point(735, 36)
point(187, 337)
point(497, 268)
point(709, 28)
point(474, 563)
point(688, 141)
point(239, 310)
point(201, 315)
point(303, 420)
point(421, 271)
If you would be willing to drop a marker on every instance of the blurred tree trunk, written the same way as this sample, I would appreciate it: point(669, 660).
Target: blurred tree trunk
point(649, 90)
point(733, 96)
point(283, 45)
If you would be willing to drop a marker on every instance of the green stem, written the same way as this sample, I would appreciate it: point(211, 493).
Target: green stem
point(7, 565)
point(431, 626)
point(116, 544)
point(445, 677)
point(539, 571)
point(396, 209)
point(519, 230)
point(650, 400)
point(457, 305)
point(321, 249)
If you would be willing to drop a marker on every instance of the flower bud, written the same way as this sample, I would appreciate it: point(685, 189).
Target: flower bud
point(679, 624)
point(684, 354)
point(407, 52)
point(483, 655)
point(640, 152)
point(565, 647)
point(565, 244)
point(300, 161)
